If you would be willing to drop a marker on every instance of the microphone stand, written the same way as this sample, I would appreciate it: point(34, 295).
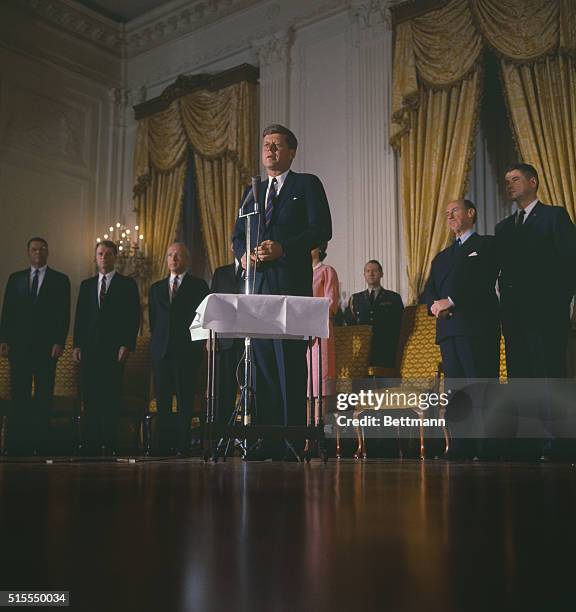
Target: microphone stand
point(247, 392)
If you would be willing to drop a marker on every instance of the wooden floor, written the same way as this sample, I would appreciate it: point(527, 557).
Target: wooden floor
point(179, 535)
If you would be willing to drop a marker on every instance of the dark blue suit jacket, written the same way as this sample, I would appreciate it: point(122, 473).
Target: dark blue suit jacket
point(43, 322)
point(170, 322)
point(470, 281)
point(114, 325)
point(538, 268)
point(300, 223)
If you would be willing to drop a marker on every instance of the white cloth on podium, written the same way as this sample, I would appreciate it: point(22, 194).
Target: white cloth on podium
point(261, 316)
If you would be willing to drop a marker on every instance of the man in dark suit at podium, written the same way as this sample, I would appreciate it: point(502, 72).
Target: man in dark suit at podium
point(105, 331)
point(175, 358)
point(380, 308)
point(295, 218)
point(33, 329)
point(228, 279)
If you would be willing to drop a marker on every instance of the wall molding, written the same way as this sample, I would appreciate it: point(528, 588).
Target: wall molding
point(80, 21)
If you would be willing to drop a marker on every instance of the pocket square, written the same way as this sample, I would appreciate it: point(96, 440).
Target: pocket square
point(473, 254)
point(295, 198)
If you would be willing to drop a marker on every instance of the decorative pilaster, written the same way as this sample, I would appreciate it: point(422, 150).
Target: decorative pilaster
point(274, 61)
point(375, 211)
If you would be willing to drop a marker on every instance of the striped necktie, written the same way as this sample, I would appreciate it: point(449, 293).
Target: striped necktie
point(270, 201)
point(174, 289)
point(102, 290)
point(35, 283)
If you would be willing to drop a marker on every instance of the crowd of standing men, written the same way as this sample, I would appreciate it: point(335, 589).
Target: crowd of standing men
point(532, 258)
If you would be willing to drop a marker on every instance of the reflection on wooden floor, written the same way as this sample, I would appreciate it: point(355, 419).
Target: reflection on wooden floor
point(179, 535)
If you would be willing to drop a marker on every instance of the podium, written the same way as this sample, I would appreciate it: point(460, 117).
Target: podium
point(282, 317)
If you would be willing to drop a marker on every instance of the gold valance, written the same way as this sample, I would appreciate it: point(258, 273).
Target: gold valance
point(440, 48)
point(220, 127)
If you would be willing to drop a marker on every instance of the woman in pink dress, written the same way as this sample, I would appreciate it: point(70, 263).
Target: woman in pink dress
point(325, 284)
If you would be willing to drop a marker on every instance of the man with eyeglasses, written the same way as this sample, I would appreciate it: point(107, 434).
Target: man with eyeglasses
point(295, 219)
point(33, 329)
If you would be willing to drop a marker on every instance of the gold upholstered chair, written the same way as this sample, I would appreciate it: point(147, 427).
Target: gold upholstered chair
point(503, 370)
point(353, 344)
point(65, 417)
point(418, 365)
point(135, 400)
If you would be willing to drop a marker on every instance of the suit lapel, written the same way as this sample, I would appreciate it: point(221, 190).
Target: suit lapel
point(449, 258)
point(534, 214)
point(113, 287)
point(164, 291)
point(46, 281)
point(468, 247)
point(23, 283)
point(94, 292)
point(285, 193)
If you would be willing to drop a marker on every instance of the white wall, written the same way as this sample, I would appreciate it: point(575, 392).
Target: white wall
point(69, 79)
point(325, 71)
point(58, 143)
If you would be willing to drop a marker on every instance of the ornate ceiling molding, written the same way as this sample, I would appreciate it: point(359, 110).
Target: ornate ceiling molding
point(273, 49)
point(82, 22)
point(374, 13)
point(146, 33)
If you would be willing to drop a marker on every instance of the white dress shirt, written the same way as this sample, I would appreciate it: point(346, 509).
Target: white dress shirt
point(171, 283)
point(109, 276)
point(463, 237)
point(279, 182)
point(376, 292)
point(41, 275)
point(527, 210)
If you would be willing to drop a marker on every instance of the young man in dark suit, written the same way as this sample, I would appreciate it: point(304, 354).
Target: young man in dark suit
point(175, 358)
point(295, 218)
point(105, 330)
point(33, 329)
point(380, 308)
point(461, 294)
point(228, 279)
point(537, 248)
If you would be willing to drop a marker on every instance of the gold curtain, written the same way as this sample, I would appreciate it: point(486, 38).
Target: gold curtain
point(435, 156)
point(437, 80)
point(435, 106)
point(542, 102)
point(220, 127)
point(160, 165)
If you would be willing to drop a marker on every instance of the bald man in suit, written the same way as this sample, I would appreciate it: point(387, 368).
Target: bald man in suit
point(176, 359)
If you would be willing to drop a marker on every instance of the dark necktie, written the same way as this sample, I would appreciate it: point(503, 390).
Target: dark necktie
point(270, 201)
point(372, 297)
point(102, 290)
point(520, 218)
point(174, 289)
point(458, 243)
point(34, 288)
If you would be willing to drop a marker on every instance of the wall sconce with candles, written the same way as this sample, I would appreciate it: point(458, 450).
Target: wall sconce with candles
point(132, 257)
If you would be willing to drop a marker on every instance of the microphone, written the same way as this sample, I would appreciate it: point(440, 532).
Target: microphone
point(255, 189)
